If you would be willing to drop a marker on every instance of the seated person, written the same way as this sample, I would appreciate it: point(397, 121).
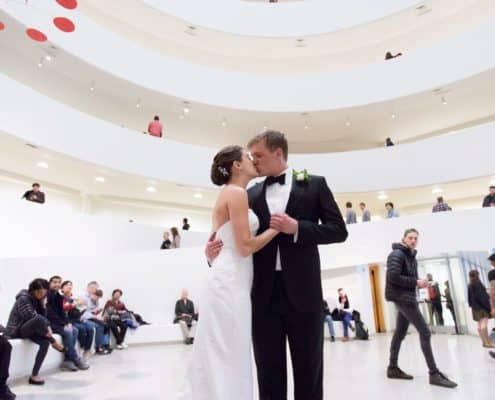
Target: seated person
point(5, 352)
point(92, 316)
point(35, 194)
point(167, 243)
point(28, 320)
point(60, 324)
point(187, 318)
point(329, 320)
point(74, 309)
point(115, 313)
point(344, 313)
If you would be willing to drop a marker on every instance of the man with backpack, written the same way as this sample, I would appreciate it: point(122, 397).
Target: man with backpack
point(402, 283)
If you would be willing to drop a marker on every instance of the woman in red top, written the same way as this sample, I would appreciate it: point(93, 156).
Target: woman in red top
point(114, 311)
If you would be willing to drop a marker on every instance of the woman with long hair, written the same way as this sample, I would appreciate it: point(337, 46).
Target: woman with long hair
point(479, 301)
point(175, 238)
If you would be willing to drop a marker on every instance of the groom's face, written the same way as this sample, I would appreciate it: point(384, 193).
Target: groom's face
point(266, 162)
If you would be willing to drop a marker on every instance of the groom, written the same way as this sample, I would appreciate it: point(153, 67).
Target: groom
point(287, 295)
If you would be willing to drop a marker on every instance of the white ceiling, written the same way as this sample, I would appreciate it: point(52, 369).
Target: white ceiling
point(19, 162)
point(68, 80)
point(364, 44)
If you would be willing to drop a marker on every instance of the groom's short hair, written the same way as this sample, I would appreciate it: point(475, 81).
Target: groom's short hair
point(273, 140)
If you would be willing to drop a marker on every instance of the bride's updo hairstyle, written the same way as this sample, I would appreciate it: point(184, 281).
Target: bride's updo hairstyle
point(221, 169)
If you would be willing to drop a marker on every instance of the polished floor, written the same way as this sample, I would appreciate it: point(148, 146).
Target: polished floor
point(353, 370)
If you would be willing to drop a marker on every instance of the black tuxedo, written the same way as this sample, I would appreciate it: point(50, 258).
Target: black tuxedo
point(288, 304)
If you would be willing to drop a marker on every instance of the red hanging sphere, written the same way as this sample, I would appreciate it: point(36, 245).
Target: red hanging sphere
point(69, 4)
point(64, 24)
point(36, 35)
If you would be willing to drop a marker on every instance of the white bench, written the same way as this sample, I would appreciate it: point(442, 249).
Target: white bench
point(154, 333)
point(23, 355)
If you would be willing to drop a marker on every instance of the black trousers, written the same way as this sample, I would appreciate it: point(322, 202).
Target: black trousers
point(272, 328)
point(36, 329)
point(118, 328)
point(410, 314)
point(437, 309)
point(5, 352)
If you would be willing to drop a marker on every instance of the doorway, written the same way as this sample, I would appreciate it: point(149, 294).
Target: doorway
point(376, 295)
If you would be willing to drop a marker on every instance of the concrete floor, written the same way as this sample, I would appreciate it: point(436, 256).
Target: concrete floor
point(354, 370)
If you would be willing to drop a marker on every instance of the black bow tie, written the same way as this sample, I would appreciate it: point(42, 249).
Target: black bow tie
point(274, 179)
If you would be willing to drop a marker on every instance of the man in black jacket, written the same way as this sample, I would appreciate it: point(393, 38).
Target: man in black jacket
point(5, 352)
point(60, 324)
point(489, 200)
point(401, 284)
point(186, 317)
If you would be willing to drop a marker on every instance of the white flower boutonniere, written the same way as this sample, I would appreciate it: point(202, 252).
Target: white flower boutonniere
point(301, 176)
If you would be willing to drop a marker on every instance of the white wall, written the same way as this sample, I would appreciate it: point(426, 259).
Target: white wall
point(386, 168)
point(440, 63)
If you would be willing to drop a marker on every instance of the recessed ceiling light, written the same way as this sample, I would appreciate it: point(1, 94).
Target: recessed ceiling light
point(186, 109)
point(393, 116)
point(42, 164)
point(198, 195)
point(437, 191)
point(265, 127)
point(100, 179)
point(40, 63)
point(306, 127)
point(348, 123)
point(224, 123)
point(48, 57)
point(138, 104)
point(92, 87)
point(151, 189)
point(444, 102)
point(382, 196)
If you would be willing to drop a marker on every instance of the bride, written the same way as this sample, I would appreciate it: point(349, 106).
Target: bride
point(220, 367)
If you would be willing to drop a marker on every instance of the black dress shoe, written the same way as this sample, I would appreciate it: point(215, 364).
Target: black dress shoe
point(397, 373)
point(439, 379)
point(6, 394)
point(492, 353)
point(36, 383)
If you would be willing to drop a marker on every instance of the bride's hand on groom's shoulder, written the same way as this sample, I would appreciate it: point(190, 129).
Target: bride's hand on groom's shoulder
point(282, 222)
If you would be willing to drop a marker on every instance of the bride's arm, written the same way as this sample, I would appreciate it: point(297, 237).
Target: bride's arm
point(237, 203)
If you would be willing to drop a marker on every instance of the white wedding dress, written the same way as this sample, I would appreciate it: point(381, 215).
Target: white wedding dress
point(221, 367)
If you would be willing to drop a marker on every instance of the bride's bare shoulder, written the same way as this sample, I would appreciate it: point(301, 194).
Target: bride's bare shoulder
point(232, 191)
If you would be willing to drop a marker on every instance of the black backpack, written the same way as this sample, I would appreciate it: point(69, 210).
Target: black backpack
point(361, 330)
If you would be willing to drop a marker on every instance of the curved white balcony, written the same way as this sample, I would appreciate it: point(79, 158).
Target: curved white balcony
point(299, 18)
point(55, 126)
point(442, 62)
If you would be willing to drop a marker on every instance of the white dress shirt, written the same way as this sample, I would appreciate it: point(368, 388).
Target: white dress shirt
point(277, 197)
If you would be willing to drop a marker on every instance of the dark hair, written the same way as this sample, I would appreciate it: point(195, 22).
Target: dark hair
point(221, 169)
point(175, 232)
point(93, 283)
point(410, 230)
point(440, 199)
point(474, 277)
point(492, 257)
point(362, 204)
point(117, 291)
point(157, 118)
point(54, 277)
point(99, 293)
point(184, 220)
point(273, 140)
point(65, 283)
point(35, 184)
point(37, 284)
point(348, 204)
point(388, 203)
point(339, 289)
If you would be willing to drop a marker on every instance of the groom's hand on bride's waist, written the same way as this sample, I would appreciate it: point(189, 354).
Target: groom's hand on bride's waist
point(282, 222)
point(213, 248)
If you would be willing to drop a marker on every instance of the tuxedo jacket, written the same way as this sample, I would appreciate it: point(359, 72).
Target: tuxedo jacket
point(312, 204)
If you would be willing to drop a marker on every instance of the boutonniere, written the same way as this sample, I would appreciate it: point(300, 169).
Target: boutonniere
point(301, 176)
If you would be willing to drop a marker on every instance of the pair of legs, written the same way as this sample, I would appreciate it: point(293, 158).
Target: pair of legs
point(86, 333)
point(410, 314)
point(36, 329)
point(119, 329)
point(483, 332)
point(331, 328)
point(273, 325)
point(188, 330)
point(101, 336)
point(346, 321)
point(437, 312)
point(5, 352)
point(69, 338)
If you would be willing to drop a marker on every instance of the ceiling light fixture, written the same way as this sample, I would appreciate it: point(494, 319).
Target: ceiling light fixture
point(42, 164)
point(437, 191)
point(92, 87)
point(382, 196)
point(138, 104)
point(100, 179)
point(348, 123)
point(444, 102)
point(40, 63)
point(306, 127)
point(300, 42)
point(187, 107)
point(393, 116)
point(198, 195)
point(151, 189)
point(224, 123)
point(48, 57)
